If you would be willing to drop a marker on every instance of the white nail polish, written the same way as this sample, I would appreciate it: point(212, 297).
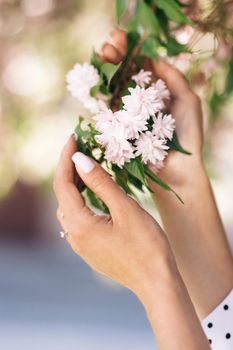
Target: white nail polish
point(83, 162)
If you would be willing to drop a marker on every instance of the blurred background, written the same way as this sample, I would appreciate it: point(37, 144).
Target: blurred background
point(49, 299)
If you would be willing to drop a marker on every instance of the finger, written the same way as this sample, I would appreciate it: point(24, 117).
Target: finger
point(64, 233)
point(68, 196)
point(99, 181)
point(61, 219)
point(60, 215)
point(119, 40)
point(174, 79)
point(111, 54)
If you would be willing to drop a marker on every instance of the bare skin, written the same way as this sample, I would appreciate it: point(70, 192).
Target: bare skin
point(129, 246)
point(194, 230)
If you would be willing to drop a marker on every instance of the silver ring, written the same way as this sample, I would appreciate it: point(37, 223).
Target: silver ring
point(64, 234)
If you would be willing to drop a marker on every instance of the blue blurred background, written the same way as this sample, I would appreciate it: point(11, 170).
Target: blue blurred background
point(49, 299)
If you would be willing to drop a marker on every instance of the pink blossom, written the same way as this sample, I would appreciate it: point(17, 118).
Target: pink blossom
point(81, 78)
point(162, 89)
point(115, 132)
point(133, 124)
point(104, 119)
point(143, 78)
point(91, 103)
point(184, 34)
point(151, 148)
point(119, 153)
point(117, 149)
point(164, 126)
point(182, 62)
point(144, 102)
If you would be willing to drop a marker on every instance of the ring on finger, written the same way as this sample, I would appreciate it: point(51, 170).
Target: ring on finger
point(64, 234)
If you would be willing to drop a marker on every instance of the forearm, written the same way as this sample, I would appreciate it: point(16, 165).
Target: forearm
point(198, 240)
point(172, 315)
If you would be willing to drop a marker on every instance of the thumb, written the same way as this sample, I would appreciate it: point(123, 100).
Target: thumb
point(100, 182)
point(174, 79)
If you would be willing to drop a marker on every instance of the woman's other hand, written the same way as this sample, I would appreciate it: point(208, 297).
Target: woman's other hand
point(184, 106)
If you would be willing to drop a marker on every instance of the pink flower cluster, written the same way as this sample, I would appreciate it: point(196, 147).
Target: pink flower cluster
point(139, 128)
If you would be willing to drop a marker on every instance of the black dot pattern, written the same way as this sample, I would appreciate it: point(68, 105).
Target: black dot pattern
point(218, 326)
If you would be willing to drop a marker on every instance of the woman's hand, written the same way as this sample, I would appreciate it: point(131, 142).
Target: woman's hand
point(194, 230)
point(122, 245)
point(184, 106)
point(129, 246)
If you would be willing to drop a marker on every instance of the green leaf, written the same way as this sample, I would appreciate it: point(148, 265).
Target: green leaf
point(121, 6)
point(86, 138)
point(94, 90)
point(136, 169)
point(149, 2)
point(104, 89)
point(175, 144)
point(132, 25)
point(135, 182)
point(149, 47)
point(97, 87)
point(121, 177)
point(229, 79)
point(173, 11)
point(216, 101)
point(101, 85)
point(132, 40)
point(163, 22)
point(95, 201)
point(147, 19)
point(174, 48)
point(80, 132)
point(109, 70)
point(181, 4)
point(82, 136)
point(160, 182)
point(95, 61)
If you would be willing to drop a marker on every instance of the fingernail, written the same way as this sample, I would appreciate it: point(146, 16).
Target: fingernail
point(83, 162)
point(75, 136)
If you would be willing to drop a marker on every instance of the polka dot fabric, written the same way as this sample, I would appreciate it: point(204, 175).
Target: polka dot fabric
point(218, 325)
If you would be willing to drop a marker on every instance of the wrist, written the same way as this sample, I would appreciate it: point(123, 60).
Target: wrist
point(171, 312)
point(162, 275)
point(191, 174)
